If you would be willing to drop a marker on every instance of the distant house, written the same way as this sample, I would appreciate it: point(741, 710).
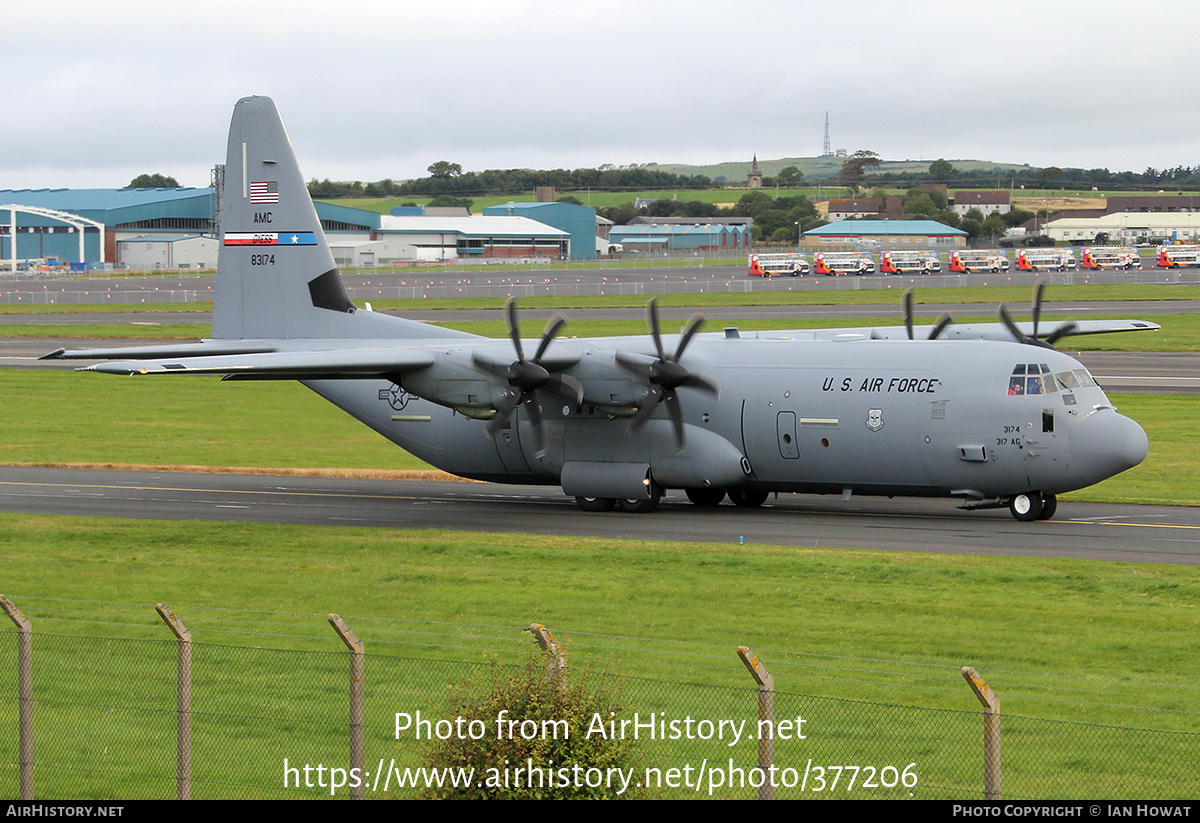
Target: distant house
point(868, 207)
point(988, 202)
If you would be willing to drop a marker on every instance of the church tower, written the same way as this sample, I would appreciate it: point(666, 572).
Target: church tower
point(754, 178)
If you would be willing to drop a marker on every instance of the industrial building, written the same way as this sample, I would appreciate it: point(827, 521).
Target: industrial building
point(887, 233)
point(1126, 228)
point(476, 237)
point(682, 237)
point(141, 228)
point(579, 222)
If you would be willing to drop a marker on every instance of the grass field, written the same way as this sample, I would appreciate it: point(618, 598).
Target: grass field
point(860, 634)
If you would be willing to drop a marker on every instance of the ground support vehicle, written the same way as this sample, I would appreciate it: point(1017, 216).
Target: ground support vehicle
point(843, 262)
point(769, 265)
point(968, 261)
point(910, 262)
point(1174, 256)
point(1111, 257)
point(1046, 260)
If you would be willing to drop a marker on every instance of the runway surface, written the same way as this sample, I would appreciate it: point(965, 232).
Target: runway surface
point(1147, 534)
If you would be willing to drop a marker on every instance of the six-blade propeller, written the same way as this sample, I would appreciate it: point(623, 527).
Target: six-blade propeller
point(525, 377)
point(665, 375)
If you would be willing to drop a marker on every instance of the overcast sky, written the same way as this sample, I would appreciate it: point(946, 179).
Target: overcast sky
point(98, 93)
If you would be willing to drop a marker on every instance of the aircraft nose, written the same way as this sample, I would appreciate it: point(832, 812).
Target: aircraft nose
point(1106, 443)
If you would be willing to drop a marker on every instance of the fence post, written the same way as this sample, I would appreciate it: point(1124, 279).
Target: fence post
point(357, 705)
point(556, 655)
point(991, 733)
point(766, 712)
point(183, 703)
point(24, 694)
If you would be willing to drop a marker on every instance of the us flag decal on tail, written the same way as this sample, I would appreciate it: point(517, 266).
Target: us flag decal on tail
point(266, 191)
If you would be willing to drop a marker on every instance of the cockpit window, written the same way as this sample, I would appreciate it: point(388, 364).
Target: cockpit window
point(1079, 378)
point(1031, 379)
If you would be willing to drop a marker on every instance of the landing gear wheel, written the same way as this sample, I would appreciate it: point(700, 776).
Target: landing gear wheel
point(706, 498)
point(640, 505)
point(1049, 506)
point(1026, 507)
point(595, 504)
point(747, 500)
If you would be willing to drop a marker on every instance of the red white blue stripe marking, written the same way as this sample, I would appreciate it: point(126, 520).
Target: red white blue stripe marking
point(283, 238)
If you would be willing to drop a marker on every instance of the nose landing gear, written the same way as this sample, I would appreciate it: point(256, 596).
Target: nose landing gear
point(1033, 506)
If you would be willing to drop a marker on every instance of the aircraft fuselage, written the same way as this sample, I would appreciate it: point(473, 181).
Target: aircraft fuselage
point(916, 418)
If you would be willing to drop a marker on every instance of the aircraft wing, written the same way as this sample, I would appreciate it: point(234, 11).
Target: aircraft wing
point(280, 365)
point(1101, 327)
point(983, 331)
point(203, 348)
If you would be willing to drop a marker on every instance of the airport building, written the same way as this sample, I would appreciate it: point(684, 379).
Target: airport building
point(885, 233)
point(690, 236)
point(141, 228)
point(477, 237)
point(579, 222)
point(1126, 228)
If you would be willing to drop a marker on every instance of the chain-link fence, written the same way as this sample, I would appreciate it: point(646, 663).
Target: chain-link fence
point(277, 723)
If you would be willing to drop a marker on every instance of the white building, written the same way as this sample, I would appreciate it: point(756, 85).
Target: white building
point(1126, 228)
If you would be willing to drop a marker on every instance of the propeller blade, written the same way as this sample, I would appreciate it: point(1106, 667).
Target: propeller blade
point(646, 409)
point(514, 329)
point(484, 365)
point(1012, 327)
point(504, 409)
point(1064, 330)
point(693, 326)
point(652, 322)
point(908, 312)
point(942, 324)
point(704, 383)
point(1037, 306)
point(555, 323)
point(634, 365)
point(675, 412)
point(564, 385)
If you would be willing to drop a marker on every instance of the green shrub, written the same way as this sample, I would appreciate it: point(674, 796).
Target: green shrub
point(535, 742)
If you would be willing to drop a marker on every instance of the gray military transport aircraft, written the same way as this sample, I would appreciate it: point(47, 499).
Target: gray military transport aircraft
point(990, 413)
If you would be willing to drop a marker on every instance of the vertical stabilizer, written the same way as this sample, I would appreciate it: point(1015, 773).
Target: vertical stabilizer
point(275, 274)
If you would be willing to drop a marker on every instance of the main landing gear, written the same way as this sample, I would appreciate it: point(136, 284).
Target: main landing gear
point(1033, 506)
point(702, 497)
point(640, 505)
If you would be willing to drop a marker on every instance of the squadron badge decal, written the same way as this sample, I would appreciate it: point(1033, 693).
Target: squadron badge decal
point(875, 419)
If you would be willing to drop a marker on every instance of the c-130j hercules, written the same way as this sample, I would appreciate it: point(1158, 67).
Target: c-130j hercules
point(990, 413)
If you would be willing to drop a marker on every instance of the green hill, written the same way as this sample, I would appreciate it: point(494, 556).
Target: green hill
point(814, 168)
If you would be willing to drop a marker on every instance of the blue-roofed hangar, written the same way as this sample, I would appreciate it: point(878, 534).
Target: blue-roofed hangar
point(143, 228)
